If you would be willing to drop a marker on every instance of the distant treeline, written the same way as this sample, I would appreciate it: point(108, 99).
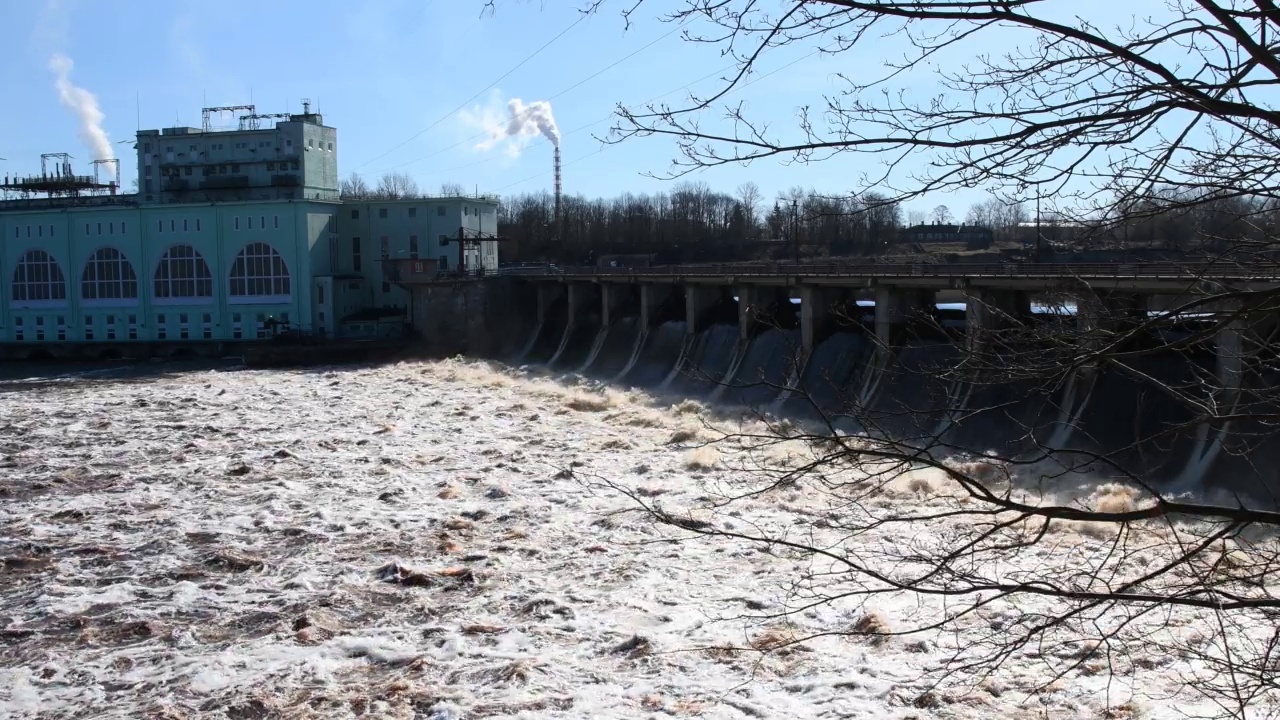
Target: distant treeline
point(693, 223)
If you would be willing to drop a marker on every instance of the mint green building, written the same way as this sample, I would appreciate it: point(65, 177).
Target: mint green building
point(228, 230)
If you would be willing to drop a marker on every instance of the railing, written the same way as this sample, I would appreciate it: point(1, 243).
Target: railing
point(970, 270)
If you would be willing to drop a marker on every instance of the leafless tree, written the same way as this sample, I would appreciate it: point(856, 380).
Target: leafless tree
point(354, 188)
point(395, 186)
point(750, 197)
point(942, 215)
point(452, 189)
point(1040, 528)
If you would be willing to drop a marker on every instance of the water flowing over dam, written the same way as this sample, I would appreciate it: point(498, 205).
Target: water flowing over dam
point(859, 367)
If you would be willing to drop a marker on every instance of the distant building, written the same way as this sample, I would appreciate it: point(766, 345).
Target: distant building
point(230, 233)
point(972, 237)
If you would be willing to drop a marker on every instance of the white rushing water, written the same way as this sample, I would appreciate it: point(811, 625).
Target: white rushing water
point(226, 544)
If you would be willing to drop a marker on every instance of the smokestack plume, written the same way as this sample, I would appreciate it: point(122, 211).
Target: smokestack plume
point(525, 121)
point(85, 106)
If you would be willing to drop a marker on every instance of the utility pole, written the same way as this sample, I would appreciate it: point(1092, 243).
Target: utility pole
point(795, 235)
point(1038, 251)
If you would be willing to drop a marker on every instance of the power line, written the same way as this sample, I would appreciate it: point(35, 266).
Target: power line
point(565, 91)
point(454, 111)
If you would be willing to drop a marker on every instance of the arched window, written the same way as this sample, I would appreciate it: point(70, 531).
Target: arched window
point(37, 278)
point(183, 273)
point(259, 272)
point(108, 276)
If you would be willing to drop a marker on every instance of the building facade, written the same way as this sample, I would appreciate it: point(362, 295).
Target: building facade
point(200, 254)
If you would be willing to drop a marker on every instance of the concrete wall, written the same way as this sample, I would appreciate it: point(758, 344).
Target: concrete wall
point(490, 317)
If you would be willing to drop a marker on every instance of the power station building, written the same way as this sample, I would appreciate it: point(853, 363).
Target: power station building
point(229, 230)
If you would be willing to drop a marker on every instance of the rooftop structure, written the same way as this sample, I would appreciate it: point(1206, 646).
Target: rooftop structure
point(296, 158)
point(57, 179)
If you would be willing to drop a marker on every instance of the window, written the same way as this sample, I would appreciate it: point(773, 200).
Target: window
point(413, 247)
point(275, 221)
point(62, 327)
point(86, 229)
point(444, 240)
point(443, 263)
point(172, 225)
point(330, 147)
point(99, 228)
point(197, 224)
point(320, 294)
point(186, 170)
point(385, 247)
point(262, 222)
point(122, 228)
point(382, 212)
point(182, 318)
point(38, 278)
point(294, 164)
point(133, 327)
point(237, 223)
point(355, 214)
point(17, 328)
point(183, 273)
point(464, 211)
point(111, 327)
point(235, 169)
point(40, 230)
point(88, 327)
point(159, 226)
point(440, 210)
point(355, 254)
point(333, 253)
point(259, 271)
point(108, 276)
point(146, 147)
point(271, 166)
point(386, 286)
point(250, 221)
point(288, 143)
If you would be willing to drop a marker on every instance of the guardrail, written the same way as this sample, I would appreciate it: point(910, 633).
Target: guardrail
point(1181, 271)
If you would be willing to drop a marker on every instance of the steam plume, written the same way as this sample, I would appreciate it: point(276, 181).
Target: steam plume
point(525, 121)
point(85, 106)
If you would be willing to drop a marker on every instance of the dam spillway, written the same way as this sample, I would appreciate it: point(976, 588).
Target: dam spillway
point(879, 358)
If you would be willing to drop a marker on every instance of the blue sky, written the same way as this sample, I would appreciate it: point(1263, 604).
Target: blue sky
point(387, 73)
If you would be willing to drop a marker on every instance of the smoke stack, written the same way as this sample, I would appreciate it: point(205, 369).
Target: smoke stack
point(556, 155)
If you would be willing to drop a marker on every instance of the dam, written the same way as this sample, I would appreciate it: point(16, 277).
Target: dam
point(1160, 372)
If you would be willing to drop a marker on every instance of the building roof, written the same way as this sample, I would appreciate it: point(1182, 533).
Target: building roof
point(370, 314)
point(482, 197)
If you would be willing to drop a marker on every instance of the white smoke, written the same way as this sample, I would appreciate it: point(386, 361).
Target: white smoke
point(84, 105)
point(524, 122)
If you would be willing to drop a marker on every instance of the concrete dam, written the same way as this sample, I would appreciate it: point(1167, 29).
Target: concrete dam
point(1186, 404)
